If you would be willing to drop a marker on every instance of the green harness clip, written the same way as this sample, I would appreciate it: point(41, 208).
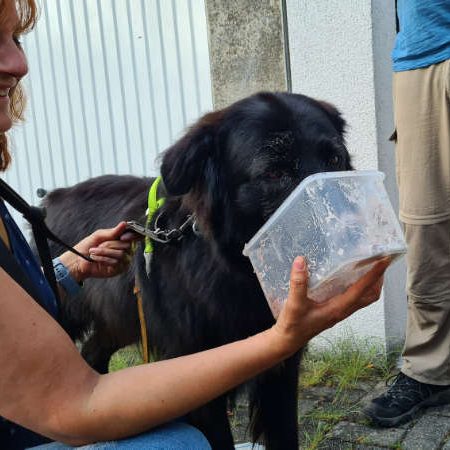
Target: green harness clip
point(153, 205)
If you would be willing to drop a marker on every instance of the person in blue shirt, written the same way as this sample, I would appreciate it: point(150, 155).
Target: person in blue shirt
point(421, 88)
point(47, 387)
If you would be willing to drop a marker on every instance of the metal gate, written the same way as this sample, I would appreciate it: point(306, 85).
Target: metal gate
point(112, 83)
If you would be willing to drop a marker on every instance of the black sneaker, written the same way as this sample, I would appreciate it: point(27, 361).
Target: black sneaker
point(404, 398)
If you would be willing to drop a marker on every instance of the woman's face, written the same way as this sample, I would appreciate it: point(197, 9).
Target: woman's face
point(13, 64)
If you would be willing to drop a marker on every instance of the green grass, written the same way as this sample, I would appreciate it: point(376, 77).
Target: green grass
point(126, 357)
point(332, 414)
point(345, 363)
point(341, 365)
point(315, 439)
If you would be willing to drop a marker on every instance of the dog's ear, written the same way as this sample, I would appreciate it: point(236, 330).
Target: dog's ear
point(334, 115)
point(184, 162)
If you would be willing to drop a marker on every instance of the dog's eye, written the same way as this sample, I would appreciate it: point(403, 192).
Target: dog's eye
point(335, 160)
point(274, 174)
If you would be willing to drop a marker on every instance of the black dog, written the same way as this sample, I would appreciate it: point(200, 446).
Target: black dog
point(231, 171)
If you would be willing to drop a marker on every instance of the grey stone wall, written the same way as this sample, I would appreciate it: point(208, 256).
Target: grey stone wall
point(247, 52)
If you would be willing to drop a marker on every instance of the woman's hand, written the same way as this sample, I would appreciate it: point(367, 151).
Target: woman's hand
point(301, 318)
point(110, 249)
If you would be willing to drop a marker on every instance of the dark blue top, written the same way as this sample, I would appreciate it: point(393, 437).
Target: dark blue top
point(424, 37)
point(25, 257)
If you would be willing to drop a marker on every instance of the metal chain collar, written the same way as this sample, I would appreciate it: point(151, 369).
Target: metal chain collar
point(164, 236)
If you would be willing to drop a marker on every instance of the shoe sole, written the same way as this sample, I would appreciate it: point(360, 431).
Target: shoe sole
point(438, 399)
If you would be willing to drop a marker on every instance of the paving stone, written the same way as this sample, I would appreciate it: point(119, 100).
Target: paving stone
point(319, 392)
point(443, 410)
point(355, 404)
point(364, 435)
point(239, 423)
point(356, 416)
point(352, 397)
point(369, 386)
point(306, 405)
point(368, 447)
point(428, 433)
point(335, 444)
point(248, 446)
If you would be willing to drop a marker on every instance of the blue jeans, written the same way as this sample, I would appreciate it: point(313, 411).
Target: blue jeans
point(173, 436)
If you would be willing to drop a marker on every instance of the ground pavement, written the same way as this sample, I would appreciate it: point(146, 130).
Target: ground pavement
point(329, 420)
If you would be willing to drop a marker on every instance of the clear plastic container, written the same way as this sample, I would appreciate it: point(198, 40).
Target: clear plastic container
point(342, 222)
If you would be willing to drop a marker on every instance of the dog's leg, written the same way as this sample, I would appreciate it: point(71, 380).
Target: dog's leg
point(273, 406)
point(212, 421)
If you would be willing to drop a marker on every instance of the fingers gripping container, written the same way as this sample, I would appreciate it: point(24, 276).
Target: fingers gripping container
point(341, 222)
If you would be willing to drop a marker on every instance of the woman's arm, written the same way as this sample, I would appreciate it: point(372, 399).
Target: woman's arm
point(46, 386)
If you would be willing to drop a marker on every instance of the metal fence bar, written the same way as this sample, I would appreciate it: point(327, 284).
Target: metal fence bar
point(178, 57)
point(95, 103)
point(194, 57)
point(108, 83)
point(46, 118)
point(150, 79)
point(143, 153)
point(122, 86)
point(164, 67)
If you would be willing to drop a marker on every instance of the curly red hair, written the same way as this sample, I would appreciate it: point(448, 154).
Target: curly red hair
point(27, 13)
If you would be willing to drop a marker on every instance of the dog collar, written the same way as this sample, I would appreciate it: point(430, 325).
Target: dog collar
point(153, 205)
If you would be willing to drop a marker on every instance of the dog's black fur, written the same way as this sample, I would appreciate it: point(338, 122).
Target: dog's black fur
point(232, 169)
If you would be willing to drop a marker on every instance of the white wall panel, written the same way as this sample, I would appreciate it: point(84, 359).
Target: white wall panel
point(112, 83)
point(347, 62)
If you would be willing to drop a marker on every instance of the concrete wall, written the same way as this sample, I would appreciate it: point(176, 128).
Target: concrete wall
point(335, 50)
point(340, 52)
point(246, 44)
point(383, 32)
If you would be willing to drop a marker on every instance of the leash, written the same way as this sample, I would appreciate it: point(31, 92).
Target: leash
point(36, 217)
point(153, 204)
point(142, 322)
point(156, 234)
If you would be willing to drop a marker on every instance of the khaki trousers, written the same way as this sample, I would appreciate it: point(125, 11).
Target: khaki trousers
point(422, 120)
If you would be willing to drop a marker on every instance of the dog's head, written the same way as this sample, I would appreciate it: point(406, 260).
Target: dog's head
point(236, 166)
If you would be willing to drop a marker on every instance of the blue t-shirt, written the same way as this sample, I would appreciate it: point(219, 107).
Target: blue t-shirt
point(24, 256)
point(424, 36)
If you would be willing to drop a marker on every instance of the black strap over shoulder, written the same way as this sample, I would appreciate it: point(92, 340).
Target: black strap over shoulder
point(36, 217)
